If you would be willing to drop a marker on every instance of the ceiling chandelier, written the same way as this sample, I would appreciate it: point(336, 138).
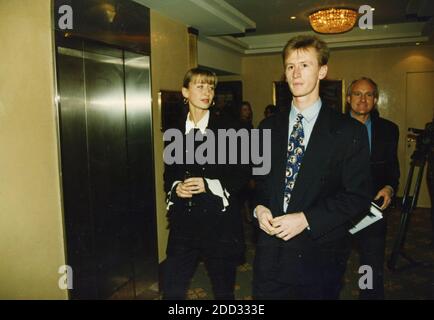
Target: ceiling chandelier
point(333, 20)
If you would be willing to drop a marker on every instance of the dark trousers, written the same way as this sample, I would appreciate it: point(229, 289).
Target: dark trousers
point(300, 275)
point(371, 245)
point(180, 265)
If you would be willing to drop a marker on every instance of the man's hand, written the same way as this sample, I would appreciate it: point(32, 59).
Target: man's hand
point(289, 225)
point(265, 218)
point(387, 194)
point(190, 187)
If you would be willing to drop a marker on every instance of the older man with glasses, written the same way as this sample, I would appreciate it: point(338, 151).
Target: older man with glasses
point(362, 98)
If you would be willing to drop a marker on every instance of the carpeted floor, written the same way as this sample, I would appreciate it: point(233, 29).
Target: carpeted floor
point(413, 283)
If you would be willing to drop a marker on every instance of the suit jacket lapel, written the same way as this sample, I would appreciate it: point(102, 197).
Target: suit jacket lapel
point(212, 122)
point(280, 136)
point(314, 157)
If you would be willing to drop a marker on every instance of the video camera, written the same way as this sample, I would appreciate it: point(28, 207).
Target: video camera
point(424, 138)
point(421, 155)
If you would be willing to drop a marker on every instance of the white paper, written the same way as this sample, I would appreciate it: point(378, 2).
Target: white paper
point(374, 215)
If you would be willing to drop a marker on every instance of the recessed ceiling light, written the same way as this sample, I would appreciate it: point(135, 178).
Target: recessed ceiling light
point(417, 43)
point(372, 9)
point(293, 17)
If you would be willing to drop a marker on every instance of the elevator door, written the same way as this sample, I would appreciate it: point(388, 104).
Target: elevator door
point(107, 169)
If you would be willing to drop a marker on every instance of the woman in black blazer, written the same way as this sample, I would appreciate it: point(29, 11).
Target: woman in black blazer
point(204, 216)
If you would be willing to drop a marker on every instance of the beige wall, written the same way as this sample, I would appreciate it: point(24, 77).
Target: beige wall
point(387, 66)
point(169, 62)
point(213, 56)
point(258, 74)
point(31, 236)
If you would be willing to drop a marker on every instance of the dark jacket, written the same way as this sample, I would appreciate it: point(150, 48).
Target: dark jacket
point(333, 186)
point(206, 226)
point(333, 189)
point(384, 158)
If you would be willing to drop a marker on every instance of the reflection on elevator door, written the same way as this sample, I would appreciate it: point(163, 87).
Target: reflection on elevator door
point(107, 174)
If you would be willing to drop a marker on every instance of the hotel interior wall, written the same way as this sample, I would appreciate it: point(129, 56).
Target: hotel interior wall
point(31, 227)
point(169, 62)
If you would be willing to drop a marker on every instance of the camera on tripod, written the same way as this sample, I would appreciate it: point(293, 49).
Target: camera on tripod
point(421, 155)
point(424, 138)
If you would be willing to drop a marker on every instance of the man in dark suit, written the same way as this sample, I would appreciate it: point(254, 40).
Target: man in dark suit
point(318, 187)
point(362, 97)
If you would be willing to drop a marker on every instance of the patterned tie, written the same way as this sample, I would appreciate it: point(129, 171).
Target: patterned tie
point(295, 156)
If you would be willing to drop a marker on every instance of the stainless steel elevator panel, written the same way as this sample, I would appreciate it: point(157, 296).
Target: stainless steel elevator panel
point(140, 152)
point(107, 170)
point(106, 142)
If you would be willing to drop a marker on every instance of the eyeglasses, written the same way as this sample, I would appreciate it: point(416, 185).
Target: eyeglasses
point(358, 94)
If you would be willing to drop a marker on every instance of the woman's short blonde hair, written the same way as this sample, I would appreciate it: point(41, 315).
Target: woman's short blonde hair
point(199, 75)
